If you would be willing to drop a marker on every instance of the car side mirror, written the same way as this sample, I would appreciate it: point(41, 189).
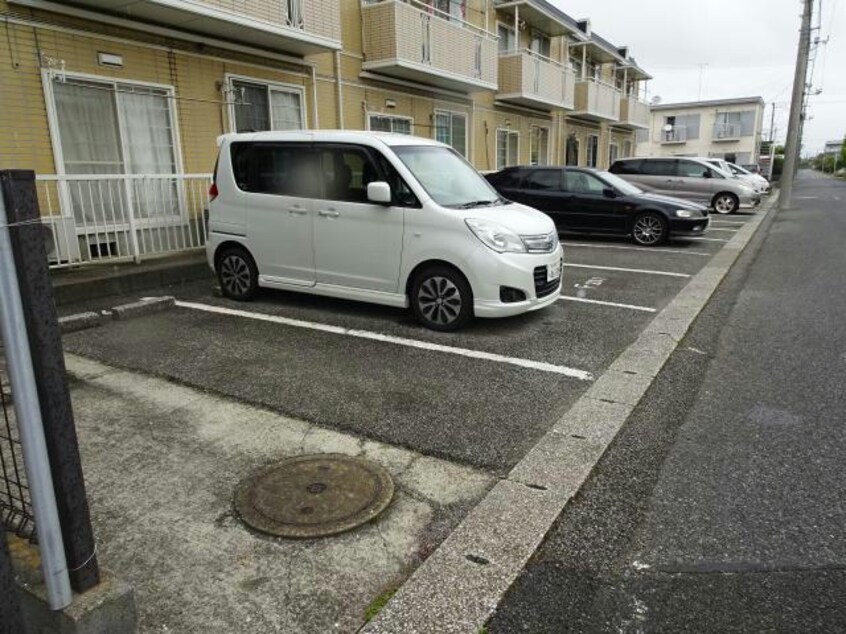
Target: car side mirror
point(379, 192)
point(609, 192)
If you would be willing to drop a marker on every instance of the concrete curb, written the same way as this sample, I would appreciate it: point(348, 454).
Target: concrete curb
point(80, 321)
point(146, 306)
point(461, 584)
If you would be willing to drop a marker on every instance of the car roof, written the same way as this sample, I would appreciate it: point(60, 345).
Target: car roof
point(365, 137)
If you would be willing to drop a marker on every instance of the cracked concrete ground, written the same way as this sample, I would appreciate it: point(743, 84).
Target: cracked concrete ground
point(161, 462)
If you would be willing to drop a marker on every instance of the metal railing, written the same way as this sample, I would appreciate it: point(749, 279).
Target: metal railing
point(16, 514)
point(598, 98)
point(726, 131)
point(676, 135)
point(528, 74)
point(92, 218)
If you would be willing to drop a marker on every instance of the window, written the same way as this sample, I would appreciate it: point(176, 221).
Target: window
point(346, 172)
point(455, 9)
point(389, 123)
point(642, 136)
point(731, 124)
point(403, 196)
point(572, 150)
point(626, 167)
point(612, 153)
point(510, 178)
point(106, 127)
point(507, 144)
point(507, 38)
point(577, 66)
point(691, 169)
point(539, 43)
point(451, 128)
point(584, 183)
point(295, 13)
point(627, 149)
point(661, 167)
point(260, 106)
point(592, 149)
point(275, 168)
point(539, 146)
point(543, 180)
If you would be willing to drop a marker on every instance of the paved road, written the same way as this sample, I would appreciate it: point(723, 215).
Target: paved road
point(721, 506)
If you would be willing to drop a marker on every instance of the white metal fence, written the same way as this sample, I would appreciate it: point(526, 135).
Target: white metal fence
point(103, 217)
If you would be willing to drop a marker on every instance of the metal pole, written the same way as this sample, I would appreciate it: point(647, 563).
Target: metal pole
point(28, 414)
point(796, 107)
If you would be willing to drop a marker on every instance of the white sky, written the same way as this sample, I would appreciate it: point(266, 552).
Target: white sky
point(749, 47)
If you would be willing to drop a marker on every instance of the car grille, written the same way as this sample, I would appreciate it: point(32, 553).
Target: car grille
point(542, 287)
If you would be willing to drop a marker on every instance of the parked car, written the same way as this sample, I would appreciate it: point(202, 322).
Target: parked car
point(389, 219)
point(759, 182)
point(732, 170)
point(752, 168)
point(593, 201)
point(688, 178)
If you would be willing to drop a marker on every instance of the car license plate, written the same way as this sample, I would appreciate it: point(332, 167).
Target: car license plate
point(553, 271)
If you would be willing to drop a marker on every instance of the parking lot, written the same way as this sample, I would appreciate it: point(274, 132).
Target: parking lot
point(481, 397)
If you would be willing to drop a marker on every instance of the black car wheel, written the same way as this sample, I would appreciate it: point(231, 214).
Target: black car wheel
point(649, 229)
point(441, 299)
point(725, 203)
point(237, 274)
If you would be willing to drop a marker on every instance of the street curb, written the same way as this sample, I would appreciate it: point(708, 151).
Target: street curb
point(145, 306)
point(80, 321)
point(458, 588)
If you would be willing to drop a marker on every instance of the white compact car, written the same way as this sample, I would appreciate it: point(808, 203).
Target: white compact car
point(757, 182)
point(383, 218)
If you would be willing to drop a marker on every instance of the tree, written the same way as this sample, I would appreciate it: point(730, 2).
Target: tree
point(843, 152)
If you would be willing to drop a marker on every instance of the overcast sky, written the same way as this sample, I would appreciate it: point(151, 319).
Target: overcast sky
point(739, 48)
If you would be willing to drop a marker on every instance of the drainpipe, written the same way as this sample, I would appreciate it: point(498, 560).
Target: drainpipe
point(340, 90)
point(314, 122)
point(584, 61)
point(517, 26)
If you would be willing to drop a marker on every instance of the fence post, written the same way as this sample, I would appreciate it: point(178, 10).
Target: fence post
point(48, 364)
point(10, 605)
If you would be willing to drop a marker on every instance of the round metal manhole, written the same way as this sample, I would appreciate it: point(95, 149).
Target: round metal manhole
point(313, 496)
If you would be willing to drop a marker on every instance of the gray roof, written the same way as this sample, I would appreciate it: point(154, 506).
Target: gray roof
point(712, 102)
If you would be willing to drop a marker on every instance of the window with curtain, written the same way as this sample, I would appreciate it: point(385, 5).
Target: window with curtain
point(612, 153)
point(116, 128)
point(451, 128)
point(539, 146)
point(260, 107)
point(540, 43)
point(592, 149)
point(507, 38)
point(571, 150)
point(507, 146)
point(389, 123)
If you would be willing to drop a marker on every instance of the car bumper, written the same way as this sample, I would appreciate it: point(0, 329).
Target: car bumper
point(689, 226)
point(514, 271)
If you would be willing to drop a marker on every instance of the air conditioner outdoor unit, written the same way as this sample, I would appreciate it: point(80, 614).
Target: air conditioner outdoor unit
point(60, 240)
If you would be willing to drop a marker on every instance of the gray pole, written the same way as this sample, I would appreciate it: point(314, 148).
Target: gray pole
point(791, 150)
point(28, 415)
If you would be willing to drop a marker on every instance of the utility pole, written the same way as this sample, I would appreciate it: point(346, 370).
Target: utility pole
point(797, 101)
point(772, 123)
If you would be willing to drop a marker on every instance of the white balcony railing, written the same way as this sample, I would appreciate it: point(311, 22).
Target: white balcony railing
point(676, 135)
point(597, 100)
point(634, 112)
point(121, 217)
point(726, 132)
point(527, 77)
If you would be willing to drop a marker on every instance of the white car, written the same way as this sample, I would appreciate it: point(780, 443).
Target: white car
point(755, 181)
point(383, 218)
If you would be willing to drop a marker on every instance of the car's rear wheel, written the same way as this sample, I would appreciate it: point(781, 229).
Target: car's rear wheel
point(237, 274)
point(725, 203)
point(441, 298)
point(649, 229)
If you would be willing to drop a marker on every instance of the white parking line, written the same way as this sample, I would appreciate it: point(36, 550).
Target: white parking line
point(728, 222)
point(723, 229)
point(625, 270)
point(701, 238)
point(641, 249)
point(401, 341)
point(585, 300)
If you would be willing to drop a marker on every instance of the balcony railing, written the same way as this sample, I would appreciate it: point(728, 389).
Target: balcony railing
point(726, 132)
point(597, 100)
point(121, 217)
point(419, 43)
point(676, 135)
point(534, 80)
point(634, 113)
point(302, 27)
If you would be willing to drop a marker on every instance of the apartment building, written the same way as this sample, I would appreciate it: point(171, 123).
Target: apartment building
point(723, 128)
point(117, 106)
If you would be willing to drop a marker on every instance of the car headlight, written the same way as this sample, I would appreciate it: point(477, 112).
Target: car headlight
point(687, 213)
point(496, 236)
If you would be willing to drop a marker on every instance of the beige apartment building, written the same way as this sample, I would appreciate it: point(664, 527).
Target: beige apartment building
point(117, 106)
point(722, 128)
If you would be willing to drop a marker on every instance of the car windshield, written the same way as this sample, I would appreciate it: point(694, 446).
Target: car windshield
point(447, 177)
point(737, 169)
point(622, 186)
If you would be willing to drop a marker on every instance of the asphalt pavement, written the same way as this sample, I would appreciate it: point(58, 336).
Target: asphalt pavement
point(720, 505)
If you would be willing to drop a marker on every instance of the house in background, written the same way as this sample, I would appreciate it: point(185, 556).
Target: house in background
point(117, 106)
point(723, 128)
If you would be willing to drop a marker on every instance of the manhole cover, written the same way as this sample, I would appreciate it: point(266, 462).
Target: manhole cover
point(312, 496)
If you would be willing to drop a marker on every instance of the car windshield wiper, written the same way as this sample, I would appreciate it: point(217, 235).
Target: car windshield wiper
point(477, 203)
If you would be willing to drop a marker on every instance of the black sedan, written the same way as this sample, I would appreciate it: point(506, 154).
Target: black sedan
point(591, 201)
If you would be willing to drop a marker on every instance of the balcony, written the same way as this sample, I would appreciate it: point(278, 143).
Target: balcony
point(300, 27)
point(426, 46)
point(634, 113)
point(597, 101)
point(676, 136)
point(529, 79)
point(724, 132)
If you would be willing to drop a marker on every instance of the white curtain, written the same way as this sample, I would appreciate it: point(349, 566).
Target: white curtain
point(285, 110)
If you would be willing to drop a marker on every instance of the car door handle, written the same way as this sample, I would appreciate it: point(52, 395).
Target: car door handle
point(299, 211)
point(328, 213)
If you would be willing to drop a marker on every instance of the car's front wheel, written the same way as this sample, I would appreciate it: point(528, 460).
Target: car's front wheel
point(237, 274)
point(725, 203)
point(649, 229)
point(441, 298)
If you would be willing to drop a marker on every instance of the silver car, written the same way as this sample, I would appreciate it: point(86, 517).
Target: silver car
point(690, 178)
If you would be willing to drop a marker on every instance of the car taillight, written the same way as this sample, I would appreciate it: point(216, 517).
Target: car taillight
point(213, 191)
